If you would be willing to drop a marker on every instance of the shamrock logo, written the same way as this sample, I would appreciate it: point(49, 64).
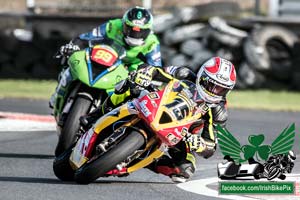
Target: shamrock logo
point(255, 148)
point(230, 146)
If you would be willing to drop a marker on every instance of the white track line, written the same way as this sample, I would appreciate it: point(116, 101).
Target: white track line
point(22, 125)
point(26, 122)
point(26, 116)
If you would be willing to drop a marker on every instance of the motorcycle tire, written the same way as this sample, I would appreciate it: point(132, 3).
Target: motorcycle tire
point(192, 46)
point(179, 60)
point(273, 172)
point(206, 10)
point(98, 167)
point(259, 45)
point(183, 33)
point(62, 168)
point(164, 22)
point(249, 77)
point(81, 106)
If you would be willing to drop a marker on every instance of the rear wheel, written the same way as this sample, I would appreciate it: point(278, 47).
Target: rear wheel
point(98, 167)
point(273, 172)
point(80, 107)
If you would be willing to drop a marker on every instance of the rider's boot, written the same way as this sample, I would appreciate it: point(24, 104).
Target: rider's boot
point(179, 173)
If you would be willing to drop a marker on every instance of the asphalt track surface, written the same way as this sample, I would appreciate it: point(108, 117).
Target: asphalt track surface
point(26, 156)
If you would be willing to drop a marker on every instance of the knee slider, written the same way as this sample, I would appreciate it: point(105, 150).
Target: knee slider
point(187, 170)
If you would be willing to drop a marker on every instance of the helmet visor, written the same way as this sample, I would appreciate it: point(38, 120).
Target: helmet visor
point(214, 88)
point(135, 32)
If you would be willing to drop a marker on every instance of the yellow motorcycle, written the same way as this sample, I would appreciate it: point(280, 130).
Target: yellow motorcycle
point(131, 136)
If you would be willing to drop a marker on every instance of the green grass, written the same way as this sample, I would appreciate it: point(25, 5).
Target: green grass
point(34, 89)
point(246, 99)
point(265, 99)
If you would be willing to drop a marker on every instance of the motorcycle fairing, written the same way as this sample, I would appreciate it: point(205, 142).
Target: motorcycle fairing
point(169, 112)
point(86, 143)
point(60, 99)
point(82, 149)
point(96, 76)
point(114, 116)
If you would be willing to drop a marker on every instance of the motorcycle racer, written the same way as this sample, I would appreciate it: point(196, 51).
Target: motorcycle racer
point(214, 80)
point(133, 31)
point(278, 165)
point(219, 111)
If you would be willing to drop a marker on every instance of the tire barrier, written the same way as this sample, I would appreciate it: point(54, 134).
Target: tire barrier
point(295, 82)
point(269, 49)
point(265, 56)
point(29, 59)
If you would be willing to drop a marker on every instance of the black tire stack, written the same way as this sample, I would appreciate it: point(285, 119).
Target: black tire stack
point(264, 56)
point(29, 58)
point(269, 51)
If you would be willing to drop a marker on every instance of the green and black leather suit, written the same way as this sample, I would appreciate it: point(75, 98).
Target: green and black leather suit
point(148, 53)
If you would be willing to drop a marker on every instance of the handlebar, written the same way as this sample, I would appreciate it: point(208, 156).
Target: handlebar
point(63, 58)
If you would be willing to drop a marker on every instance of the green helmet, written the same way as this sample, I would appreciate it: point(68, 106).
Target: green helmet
point(137, 25)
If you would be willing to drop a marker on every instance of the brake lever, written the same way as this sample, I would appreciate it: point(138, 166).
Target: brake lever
point(57, 55)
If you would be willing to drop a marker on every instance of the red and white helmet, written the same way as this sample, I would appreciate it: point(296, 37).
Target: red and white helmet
point(215, 79)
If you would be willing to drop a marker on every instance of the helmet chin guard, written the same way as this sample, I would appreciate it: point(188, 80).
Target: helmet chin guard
point(133, 41)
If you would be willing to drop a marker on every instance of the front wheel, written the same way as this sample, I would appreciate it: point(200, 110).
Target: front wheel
point(98, 167)
point(81, 106)
point(62, 168)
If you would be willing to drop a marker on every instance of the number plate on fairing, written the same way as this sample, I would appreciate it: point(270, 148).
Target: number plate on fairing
point(104, 56)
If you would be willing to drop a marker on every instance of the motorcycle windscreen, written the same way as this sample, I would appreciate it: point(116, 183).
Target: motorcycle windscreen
point(190, 90)
point(170, 107)
point(104, 56)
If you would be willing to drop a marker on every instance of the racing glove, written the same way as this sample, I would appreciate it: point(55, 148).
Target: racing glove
point(196, 143)
point(144, 76)
point(180, 73)
point(68, 49)
point(201, 146)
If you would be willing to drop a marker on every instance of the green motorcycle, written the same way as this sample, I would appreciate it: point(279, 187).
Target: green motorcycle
point(86, 83)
